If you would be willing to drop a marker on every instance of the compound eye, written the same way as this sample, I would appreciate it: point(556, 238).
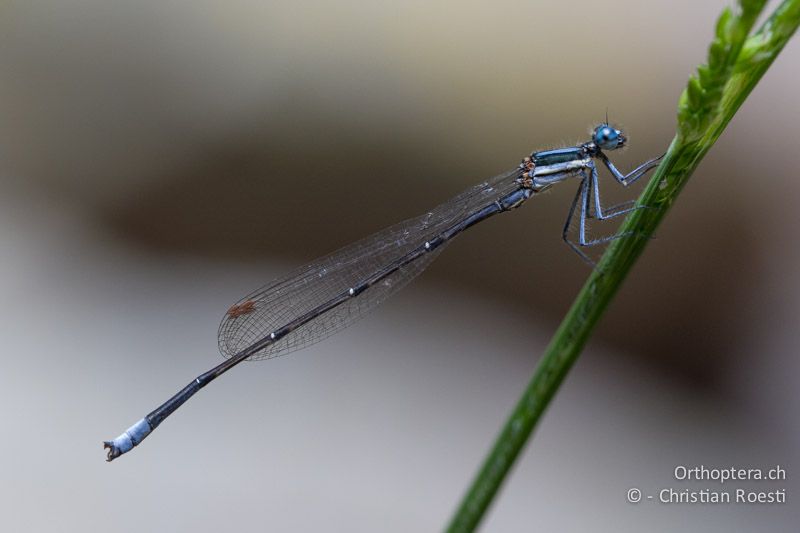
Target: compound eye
point(606, 137)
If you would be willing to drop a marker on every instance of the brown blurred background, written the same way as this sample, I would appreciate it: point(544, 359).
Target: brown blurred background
point(160, 160)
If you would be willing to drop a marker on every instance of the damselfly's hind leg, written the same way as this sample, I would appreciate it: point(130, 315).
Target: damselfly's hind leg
point(582, 199)
point(579, 195)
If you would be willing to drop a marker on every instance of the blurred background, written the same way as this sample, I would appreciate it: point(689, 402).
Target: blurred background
point(162, 159)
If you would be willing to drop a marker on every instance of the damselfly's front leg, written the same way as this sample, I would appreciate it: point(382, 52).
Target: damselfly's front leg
point(583, 197)
point(601, 213)
point(633, 175)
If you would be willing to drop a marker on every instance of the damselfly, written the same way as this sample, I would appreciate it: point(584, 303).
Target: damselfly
point(331, 293)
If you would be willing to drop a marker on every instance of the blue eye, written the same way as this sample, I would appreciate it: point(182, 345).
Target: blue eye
point(607, 138)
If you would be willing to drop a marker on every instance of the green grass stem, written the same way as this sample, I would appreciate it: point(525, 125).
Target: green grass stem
point(736, 62)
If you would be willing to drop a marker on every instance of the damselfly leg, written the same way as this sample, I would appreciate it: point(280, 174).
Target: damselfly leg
point(588, 197)
point(633, 175)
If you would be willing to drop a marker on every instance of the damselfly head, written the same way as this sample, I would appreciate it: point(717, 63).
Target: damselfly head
point(607, 137)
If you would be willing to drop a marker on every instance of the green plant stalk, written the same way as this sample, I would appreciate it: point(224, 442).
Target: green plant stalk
point(735, 65)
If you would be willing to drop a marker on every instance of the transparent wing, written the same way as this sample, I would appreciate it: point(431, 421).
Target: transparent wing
point(278, 303)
